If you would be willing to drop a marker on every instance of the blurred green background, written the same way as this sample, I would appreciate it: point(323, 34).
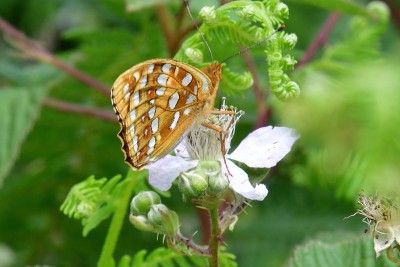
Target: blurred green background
point(348, 116)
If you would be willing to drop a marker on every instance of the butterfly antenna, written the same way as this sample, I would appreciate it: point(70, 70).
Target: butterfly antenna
point(280, 28)
point(197, 27)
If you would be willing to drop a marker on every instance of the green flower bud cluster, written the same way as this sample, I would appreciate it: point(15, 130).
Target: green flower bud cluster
point(149, 214)
point(205, 180)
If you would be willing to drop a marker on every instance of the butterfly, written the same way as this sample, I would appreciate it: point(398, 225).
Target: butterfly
point(157, 103)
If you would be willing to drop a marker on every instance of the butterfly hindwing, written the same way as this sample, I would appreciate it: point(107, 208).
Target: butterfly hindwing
point(157, 102)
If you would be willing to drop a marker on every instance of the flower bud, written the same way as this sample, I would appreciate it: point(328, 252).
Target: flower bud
point(141, 223)
point(142, 202)
point(195, 55)
point(217, 182)
point(164, 219)
point(207, 14)
point(193, 183)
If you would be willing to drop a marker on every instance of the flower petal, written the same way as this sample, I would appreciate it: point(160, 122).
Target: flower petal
point(264, 147)
point(383, 237)
point(181, 149)
point(239, 182)
point(164, 171)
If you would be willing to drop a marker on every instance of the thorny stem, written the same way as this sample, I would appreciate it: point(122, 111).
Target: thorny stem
point(215, 237)
point(74, 108)
point(188, 242)
point(320, 39)
point(36, 51)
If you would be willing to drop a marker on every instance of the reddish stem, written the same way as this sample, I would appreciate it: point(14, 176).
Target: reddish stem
point(36, 51)
point(74, 108)
point(262, 109)
point(320, 40)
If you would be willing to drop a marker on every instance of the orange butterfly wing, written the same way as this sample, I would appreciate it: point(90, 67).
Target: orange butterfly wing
point(157, 102)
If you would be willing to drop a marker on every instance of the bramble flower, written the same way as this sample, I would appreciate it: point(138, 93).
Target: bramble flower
point(202, 147)
point(383, 217)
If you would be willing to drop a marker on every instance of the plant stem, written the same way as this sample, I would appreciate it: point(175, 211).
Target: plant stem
point(215, 236)
point(80, 109)
point(320, 40)
point(391, 254)
point(35, 51)
point(117, 220)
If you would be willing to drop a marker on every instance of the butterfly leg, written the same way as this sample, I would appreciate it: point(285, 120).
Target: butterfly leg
point(222, 141)
point(221, 132)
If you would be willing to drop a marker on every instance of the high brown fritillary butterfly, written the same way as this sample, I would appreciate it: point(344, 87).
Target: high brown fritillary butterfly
point(157, 102)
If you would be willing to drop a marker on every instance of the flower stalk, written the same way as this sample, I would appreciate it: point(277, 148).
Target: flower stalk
point(215, 237)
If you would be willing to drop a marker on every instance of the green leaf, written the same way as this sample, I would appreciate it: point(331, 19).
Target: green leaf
point(135, 5)
point(93, 200)
point(165, 257)
point(162, 256)
point(19, 108)
point(351, 253)
point(342, 6)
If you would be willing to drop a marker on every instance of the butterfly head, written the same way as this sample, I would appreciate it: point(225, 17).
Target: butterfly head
point(214, 72)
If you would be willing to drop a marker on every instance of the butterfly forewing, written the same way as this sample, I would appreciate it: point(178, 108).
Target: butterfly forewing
point(157, 102)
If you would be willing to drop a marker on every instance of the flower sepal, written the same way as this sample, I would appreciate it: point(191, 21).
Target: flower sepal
point(193, 183)
point(165, 221)
point(217, 182)
point(141, 223)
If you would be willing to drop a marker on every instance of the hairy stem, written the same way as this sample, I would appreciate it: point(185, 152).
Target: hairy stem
point(188, 242)
point(106, 256)
point(215, 237)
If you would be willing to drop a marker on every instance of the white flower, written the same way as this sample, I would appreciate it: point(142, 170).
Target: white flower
point(262, 148)
point(383, 217)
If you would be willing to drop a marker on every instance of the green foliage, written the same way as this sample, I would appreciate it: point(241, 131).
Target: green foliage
point(347, 115)
point(93, 200)
point(342, 6)
point(161, 257)
point(245, 23)
point(20, 104)
point(355, 252)
point(353, 113)
point(167, 257)
point(19, 108)
point(136, 5)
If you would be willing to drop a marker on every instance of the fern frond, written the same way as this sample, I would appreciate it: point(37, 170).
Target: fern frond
point(245, 23)
point(161, 257)
point(167, 257)
point(93, 200)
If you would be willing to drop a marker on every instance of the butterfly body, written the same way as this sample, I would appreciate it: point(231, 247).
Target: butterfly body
point(157, 102)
